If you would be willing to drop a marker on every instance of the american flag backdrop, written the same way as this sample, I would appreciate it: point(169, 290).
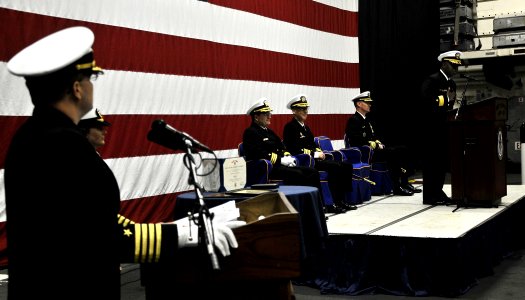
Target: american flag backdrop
point(199, 66)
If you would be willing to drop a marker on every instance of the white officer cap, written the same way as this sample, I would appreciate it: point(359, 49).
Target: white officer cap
point(68, 48)
point(93, 118)
point(453, 56)
point(261, 106)
point(364, 96)
point(298, 101)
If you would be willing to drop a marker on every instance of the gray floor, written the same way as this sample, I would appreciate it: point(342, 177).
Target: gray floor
point(507, 282)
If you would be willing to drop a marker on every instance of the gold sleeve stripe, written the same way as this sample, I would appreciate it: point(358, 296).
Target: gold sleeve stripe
point(307, 151)
point(318, 150)
point(273, 158)
point(147, 242)
point(123, 220)
point(151, 239)
point(158, 239)
point(441, 100)
point(138, 237)
point(144, 243)
point(287, 153)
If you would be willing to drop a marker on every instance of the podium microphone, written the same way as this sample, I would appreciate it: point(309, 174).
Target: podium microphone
point(467, 77)
point(169, 137)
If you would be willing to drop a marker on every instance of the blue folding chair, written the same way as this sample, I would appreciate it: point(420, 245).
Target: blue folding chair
point(258, 171)
point(379, 172)
point(361, 191)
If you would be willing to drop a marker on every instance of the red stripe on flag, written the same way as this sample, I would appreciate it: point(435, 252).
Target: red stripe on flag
point(153, 209)
point(309, 14)
point(141, 51)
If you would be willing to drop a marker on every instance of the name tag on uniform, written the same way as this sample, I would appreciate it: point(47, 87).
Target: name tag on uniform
point(265, 139)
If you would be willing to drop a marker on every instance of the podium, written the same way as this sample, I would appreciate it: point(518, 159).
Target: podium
point(478, 153)
point(267, 258)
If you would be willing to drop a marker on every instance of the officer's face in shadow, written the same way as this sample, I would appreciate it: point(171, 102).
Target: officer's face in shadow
point(450, 69)
point(263, 119)
point(300, 114)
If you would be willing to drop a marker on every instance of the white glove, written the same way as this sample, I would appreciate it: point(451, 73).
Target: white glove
point(319, 154)
point(222, 234)
point(288, 161)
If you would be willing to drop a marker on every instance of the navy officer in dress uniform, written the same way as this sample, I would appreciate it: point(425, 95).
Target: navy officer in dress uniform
point(95, 127)
point(62, 199)
point(299, 139)
point(260, 142)
point(360, 132)
point(438, 94)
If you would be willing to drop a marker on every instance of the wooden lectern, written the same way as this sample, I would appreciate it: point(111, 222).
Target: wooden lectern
point(267, 259)
point(478, 153)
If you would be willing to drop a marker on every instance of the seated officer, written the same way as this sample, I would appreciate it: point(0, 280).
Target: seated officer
point(359, 132)
point(299, 139)
point(94, 127)
point(260, 142)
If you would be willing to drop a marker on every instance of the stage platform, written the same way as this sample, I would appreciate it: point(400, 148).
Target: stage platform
point(397, 245)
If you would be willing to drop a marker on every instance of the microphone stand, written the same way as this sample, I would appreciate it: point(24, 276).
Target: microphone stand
point(462, 101)
point(204, 216)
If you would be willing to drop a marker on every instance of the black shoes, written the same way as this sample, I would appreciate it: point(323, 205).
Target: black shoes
point(399, 191)
point(442, 199)
point(412, 188)
point(339, 208)
point(347, 206)
point(334, 209)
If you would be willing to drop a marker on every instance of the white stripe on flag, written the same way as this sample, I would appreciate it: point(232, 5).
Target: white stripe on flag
point(122, 92)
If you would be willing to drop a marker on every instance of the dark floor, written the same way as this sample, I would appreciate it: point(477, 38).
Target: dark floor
point(507, 282)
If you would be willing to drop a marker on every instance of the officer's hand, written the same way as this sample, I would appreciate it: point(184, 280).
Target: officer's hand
point(320, 155)
point(223, 237)
point(288, 161)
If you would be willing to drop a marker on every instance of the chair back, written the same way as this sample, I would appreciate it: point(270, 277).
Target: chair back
point(240, 150)
point(324, 143)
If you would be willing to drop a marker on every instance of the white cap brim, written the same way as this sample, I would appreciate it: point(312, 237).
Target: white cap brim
point(52, 52)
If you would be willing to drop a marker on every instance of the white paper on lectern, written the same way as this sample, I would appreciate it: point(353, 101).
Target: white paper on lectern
point(222, 214)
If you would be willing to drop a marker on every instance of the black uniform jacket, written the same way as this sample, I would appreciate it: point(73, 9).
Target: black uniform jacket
point(299, 139)
point(359, 131)
point(62, 204)
point(261, 143)
point(434, 97)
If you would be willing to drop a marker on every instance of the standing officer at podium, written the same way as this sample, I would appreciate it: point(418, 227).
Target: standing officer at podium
point(62, 199)
point(438, 93)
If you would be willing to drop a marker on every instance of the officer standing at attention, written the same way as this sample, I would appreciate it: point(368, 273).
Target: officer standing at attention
point(438, 94)
point(299, 139)
point(359, 132)
point(62, 199)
